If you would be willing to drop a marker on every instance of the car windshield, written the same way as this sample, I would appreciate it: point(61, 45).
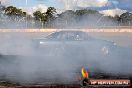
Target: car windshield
point(69, 35)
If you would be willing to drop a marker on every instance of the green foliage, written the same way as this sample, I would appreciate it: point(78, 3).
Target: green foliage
point(45, 17)
point(125, 19)
point(51, 11)
point(13, 11)
point(70, 17)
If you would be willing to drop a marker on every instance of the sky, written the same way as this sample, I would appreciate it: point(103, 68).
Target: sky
point(107, 6)
point(122, 4)
point(32, 3)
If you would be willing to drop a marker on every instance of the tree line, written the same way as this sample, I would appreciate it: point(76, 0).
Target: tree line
point(13, 17)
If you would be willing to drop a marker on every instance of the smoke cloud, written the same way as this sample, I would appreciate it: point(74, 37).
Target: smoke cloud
point(21, 62)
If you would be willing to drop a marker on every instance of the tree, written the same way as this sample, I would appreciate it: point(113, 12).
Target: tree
point(126, 18)
point(37, 15)
point(46, 17)
point(40, 16)
point(50, 13)
point(13, 11)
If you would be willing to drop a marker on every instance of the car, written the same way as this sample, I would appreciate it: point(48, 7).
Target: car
point(73, 42)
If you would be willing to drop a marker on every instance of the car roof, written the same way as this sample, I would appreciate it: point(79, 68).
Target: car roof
point(68, 35)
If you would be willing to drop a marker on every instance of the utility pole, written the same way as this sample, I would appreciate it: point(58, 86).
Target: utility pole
point(26, 3)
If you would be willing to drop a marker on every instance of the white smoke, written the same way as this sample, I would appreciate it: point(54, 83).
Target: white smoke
point(62, 64)
point(113, 12)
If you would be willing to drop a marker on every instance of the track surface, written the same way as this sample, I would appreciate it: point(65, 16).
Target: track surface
point(122, 39)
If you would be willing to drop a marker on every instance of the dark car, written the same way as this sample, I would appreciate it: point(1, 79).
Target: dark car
point(73, 42)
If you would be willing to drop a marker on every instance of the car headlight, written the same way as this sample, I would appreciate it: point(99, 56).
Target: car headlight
point(41, 42)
